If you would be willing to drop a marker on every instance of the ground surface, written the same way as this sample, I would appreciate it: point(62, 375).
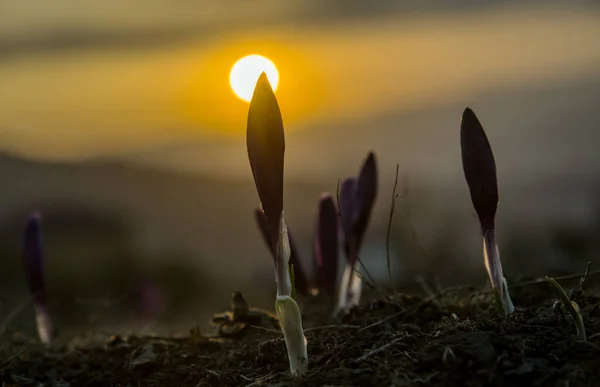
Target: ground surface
point(453, 338)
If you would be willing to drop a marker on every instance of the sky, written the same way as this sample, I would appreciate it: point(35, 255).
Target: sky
point(148, 81)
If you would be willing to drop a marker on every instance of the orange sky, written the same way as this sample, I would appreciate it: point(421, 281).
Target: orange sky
point(102, 102)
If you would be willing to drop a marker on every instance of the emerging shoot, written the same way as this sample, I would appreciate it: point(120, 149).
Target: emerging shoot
point(326, 249)
point(301, 281)
point(326, 245)
point(266, 148)
point(480, 172)
point(33, 259)
point(570, 307)
point(356, 199)
point(288, 312)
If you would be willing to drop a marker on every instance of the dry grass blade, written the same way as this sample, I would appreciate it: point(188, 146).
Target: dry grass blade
point(380, 349)
point(331, 327)
point(582, 281)
point(559, 278)
point(571, 307)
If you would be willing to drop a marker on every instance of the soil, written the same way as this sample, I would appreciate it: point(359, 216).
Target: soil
point(452, 338)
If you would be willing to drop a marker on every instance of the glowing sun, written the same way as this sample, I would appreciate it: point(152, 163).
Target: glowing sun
point(245, 73)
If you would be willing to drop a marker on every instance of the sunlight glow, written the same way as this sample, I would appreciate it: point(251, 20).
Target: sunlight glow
point(245, 73)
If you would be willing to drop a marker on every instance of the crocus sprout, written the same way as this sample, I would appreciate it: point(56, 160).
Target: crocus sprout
point(266, 148)
point(356, 199)
point(33, 259)
point(480, 172)
point(301, 281)
point(570, 307)
point(326, 245)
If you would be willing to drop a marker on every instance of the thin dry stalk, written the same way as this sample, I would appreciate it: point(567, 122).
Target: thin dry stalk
point(389, 229)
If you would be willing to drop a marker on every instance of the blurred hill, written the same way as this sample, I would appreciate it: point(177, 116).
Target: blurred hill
point(108, 227)
point(103, 219)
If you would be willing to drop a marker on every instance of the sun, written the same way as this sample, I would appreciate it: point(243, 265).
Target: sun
point(245, 73)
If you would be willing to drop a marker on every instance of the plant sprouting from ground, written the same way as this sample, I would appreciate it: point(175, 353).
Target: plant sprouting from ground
point(33, 259)
point(356, 199)
point(301, 281)
point(266, 148)
point(480, 172)
point(569, 306)
point(326, 245)
point(323, 278)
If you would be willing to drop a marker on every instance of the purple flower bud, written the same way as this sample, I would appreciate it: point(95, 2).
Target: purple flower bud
point(326, 245)
point(480, 172)
point(480, 169)
point(348, 207)
point(366, 193)
point(266, 147)
point(263, 227)
point(33, 260)
point(300, 278)
point(357, 197)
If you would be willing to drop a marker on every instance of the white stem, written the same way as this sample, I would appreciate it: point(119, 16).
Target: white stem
point(286, 308)
point(282, 274)
point(349, 295)
point(290, 321)
point(44, 324)
point(491, 256)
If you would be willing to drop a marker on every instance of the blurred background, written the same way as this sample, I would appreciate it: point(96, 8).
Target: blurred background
point(118, 123)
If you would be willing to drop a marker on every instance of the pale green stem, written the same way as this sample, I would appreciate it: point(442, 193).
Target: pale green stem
point(286, 308)
point(290, 320)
